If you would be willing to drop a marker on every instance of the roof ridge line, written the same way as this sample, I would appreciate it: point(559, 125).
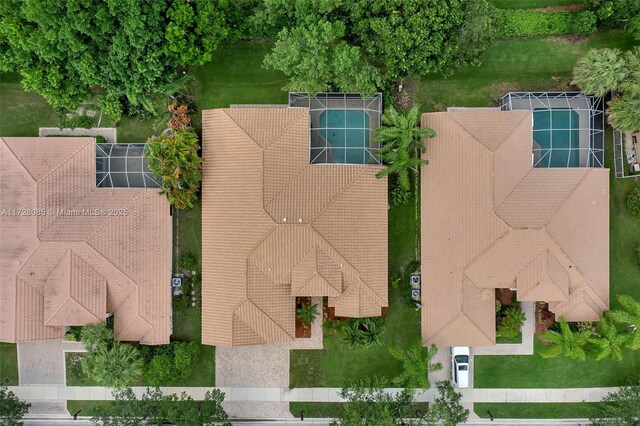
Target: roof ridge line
point(92, 140)
point(300, 115)
point(21, 164)
point(582, 179)
point(265, 314)
point(493, 243)
point(318, 234)
point(347, 186)
point(566, 255)
point(224, 110)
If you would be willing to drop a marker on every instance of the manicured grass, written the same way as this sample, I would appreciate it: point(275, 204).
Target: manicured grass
point(75, 375)
point(87, 407)
point(535, 410)
point(22, 112)
point(8, 364)
point(339, 363)
point(532, 4)
point(510, 65)
point(235, 76)
point(333, 409)
point(403, 233)
point(187, 226)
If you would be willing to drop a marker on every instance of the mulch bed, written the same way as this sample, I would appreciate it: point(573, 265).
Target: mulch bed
point(544, 317)
point(566, 8)
point(505, 296)
point(302, 331)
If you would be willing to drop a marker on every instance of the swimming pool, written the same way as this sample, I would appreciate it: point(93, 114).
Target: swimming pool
point(347, 134)
point(556, 137)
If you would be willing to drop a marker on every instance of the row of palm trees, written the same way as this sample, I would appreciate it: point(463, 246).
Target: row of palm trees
point(616, 330)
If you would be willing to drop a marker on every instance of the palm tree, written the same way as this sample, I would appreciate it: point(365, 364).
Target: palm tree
point(624, 113)
point(352, 333)
point(401, 143)
point(416, 365)
point(95, 336)
point(511, 321)
point(118, 366)
point(307, 313)
point(568, 343)
point(600, 71)
point(371, 331)
point(629, 315)
point(608, 341)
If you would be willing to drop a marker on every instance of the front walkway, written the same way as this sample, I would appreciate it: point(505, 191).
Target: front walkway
point(286, 395)
point(524, 348)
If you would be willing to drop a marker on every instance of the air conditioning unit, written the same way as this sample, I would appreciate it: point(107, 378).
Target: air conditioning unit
point(415, 294)
point(176, 282)
point(415, 280)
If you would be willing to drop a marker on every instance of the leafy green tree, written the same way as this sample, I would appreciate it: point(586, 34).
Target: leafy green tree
point(624, 113)
point(568, 343)
point(195, 30)
point(477, 31)
point(174, 157)
point(95, 336)
point(368, 403)
point(307, 313)
point(600, 71)
point(407, 37)
point(11, 408)
point(621, 408)
point(316, 60)
point(116, 366)
point(401, 141)
point(629, 316)
point(510, 322)
point(122, 53)
point(416, 364)
point(447, 410)
point(608, 342)
point(187, 262)
point(614, 13)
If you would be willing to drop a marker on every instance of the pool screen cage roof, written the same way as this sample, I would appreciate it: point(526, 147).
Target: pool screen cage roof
point(590, 123)
point(123, 166)
point(339, 132)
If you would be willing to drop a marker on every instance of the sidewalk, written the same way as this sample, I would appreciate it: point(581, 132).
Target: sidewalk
point(237, 394)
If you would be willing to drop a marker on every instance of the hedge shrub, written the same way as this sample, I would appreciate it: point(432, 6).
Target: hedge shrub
point(633, 201)
point(525, 23)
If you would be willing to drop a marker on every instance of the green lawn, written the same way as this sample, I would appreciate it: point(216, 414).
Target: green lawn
point(8, 364)
point(403, 233)
point(338, 362)
point(531, 4)
point(87, 407)
point(22, 112)
point(509, 65)
point(333, 409)
point(539, 410)
point(506, 340)
point(75, 375)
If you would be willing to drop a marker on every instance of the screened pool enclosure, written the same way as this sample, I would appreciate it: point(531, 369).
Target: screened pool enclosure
point(568, 127)
point(342, 126)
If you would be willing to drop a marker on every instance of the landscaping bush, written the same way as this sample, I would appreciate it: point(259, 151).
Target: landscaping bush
point(638, 252)
point(525, 23)
point(633, 201)
point(400, 196)
point(187, 262)
point(168, 364)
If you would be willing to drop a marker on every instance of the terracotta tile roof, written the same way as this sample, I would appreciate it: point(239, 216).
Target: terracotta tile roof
point(63, 270)
point(275, 227)
point(490, 220)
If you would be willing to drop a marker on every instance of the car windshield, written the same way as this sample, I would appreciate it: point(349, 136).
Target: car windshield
point(462, 359)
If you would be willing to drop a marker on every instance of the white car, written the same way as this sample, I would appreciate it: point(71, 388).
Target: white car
point(460, 364)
